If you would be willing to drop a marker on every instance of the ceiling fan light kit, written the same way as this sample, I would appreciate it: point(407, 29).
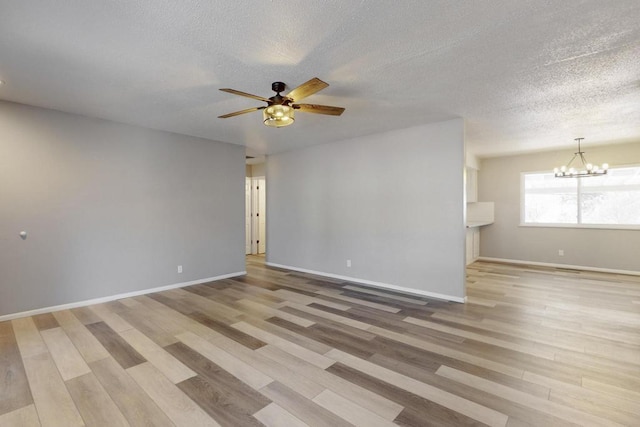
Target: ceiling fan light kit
point(279, 111)
point(278, 116)
point(587, 169)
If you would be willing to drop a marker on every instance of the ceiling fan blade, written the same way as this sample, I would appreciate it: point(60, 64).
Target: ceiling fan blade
point(237, 113)
point(319, 109)
point(305, 89)
point(248, 95)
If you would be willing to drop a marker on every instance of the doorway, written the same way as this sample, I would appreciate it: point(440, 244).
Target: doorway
point(255, 215)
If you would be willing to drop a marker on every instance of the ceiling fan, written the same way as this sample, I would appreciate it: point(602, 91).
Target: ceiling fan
point(279, 109)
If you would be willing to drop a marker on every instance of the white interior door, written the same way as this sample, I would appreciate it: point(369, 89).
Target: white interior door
point(254, 216)
point(262, 215)
point(247, 217)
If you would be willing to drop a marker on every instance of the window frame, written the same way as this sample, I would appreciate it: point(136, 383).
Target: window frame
point(578, 204)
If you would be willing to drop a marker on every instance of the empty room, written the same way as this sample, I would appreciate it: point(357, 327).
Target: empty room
point(303, 213)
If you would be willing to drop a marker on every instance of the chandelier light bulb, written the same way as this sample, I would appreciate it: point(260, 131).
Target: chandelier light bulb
point(605, 166)
point(590, 166)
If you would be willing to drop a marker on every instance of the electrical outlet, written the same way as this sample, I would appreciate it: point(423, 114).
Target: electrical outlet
point(348, 263)
point(561, 252)
point(179, 269)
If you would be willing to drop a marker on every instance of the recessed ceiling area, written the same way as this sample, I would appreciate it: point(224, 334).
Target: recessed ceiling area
point(525, 75)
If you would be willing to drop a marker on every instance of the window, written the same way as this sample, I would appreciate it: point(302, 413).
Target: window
point(607, 201)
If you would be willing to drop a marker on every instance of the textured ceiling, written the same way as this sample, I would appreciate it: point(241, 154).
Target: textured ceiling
point(526, 75)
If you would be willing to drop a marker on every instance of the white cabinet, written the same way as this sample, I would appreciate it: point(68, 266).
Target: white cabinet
point(478, 214)
point(473, 244)
point(476, 243)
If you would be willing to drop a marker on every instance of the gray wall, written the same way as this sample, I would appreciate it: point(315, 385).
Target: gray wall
point(111, 208)
point(393, 203)
point(499, 181)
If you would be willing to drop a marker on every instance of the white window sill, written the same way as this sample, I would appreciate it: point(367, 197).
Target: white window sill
point(588, 226)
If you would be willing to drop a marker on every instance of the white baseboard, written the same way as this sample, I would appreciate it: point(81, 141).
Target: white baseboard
point(116, 297)
point(373, 284)
point(554, 265)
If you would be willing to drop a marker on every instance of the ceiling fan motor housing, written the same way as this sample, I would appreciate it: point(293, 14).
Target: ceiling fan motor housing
point(277, 87)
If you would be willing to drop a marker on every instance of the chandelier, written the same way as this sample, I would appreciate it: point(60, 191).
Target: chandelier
point(587, 169)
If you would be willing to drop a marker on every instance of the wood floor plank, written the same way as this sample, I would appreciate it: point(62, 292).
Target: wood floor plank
point(176, 321)
point(543, 405)
point(121, 351)
point(94, 403)
point(367, 399)
point(288, 334)
point(149, 325)
point(601, 398)
point(130, 302)
point(347, 410)
point(281, 373)
point(536, 350)
point(206, 305)
point(52, 400)
point(327, 315)
point(375, 305)
point(67, 358)
point(292, 348)
point(410, 300)
point(226, 384)
point(178, 407)
point(231, 364)
point(85, 315)
point(136, 406)
point(610, 389)
point(446, 351)
point(265, 312)
point(27, 416)
point(45, 321)
point(225, 408)
point(107, 316)
point(274, 415)
point(416, 410)
point(14, 386)
point(331, 337)
point(324, 322)
point(506, 407)
point(593, 407)
point(225, 398)
point(274, 370)
point(28, 338)
point(538, 335)
point(302, 408)
point(228, 331)
point(86, 343)
point(157, 356)
point(446, 399)
point(301, 299)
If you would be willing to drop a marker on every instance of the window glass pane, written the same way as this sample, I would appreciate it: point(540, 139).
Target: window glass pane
point(613, 198)
point(550, 200)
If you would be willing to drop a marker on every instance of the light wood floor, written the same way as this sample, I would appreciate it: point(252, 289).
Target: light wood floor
point(532, 346)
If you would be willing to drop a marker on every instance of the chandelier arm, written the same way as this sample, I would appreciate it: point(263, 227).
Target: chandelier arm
point(572, 159)
point(584, 161)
